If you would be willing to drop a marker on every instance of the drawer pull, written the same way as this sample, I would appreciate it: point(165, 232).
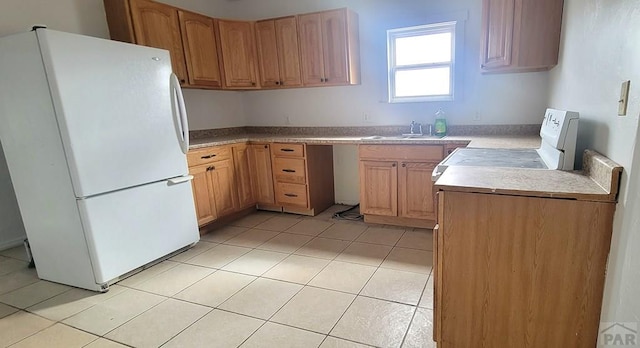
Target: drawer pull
point(288, 170)
point(210, 168)
point(286, 150)
point(290, 195)
point(208, 156)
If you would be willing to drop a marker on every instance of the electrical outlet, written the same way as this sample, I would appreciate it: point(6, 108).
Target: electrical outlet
point(624, 98)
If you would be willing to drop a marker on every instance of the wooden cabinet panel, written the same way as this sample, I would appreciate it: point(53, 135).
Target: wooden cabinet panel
point(208, 155)
point(288, 52)
point(203, 195)
point(201, 52)
point(261, 173)
point(223, 184)
point(379, 188)
point(267, 45)
point(334, 44)
point(288, 150)
point(311, 52)
point(278, 56)
point(520, 35)
point(416, 190)
point(238, 52)
point(291, 170)
point(498, 33)
point(402, 152)
point(157, 25)
point(329, 48)
point(540, 256)
point(291, 194)
point(243, 175)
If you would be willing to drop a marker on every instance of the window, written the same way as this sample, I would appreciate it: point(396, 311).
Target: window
point(421, 63)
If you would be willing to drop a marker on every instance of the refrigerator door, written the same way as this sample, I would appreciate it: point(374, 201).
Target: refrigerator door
point(113, 104)
point(130, 228)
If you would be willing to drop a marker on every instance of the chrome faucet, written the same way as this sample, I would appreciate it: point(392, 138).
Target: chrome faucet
point(413, 127)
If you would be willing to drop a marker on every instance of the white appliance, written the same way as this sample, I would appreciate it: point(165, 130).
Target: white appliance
point(559, 132)
point(95, 137)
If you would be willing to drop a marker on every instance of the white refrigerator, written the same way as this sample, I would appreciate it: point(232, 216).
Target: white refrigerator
point(95, 136)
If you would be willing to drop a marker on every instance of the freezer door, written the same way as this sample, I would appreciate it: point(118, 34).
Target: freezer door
point(113, 104)
point(130, 228)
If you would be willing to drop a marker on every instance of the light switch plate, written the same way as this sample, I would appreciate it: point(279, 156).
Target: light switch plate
point(624, 98)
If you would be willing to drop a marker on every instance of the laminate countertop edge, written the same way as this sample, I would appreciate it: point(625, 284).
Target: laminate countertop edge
point(506, 141)
point(598, 182)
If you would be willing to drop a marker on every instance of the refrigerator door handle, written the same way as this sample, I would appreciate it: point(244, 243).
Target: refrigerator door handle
point(180, 113)
point(180, 180)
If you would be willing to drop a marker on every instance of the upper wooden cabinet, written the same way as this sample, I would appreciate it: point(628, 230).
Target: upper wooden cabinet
point(157, 25)
point(189, 37)
point(520, 35)
point(329, 48)
point(238, 53)
point(278, 53)
point(316, 49)
point(201, 52)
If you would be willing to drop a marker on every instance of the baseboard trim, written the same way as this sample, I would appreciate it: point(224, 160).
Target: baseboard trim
point(12, 243)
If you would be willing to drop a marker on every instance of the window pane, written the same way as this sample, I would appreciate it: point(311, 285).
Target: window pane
point(422, 82)
point(423, 49)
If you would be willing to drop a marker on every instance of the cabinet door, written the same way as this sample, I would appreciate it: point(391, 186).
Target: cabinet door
point(243, 175)
point(268, 53)
point(311, 54)
point(199, 40)
point(223, 185)
point(416, 190)
point(288, 51)
point(379, 188)
point(262, 175)
point(239, 59)
point(334, 46)
point(157, 25)
point(497, 36)
point(203, 195)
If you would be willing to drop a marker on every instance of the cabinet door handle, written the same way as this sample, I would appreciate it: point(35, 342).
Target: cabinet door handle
point(288, 170)
point(286, 150)
point(393, 165)
point(211, 168)
point(326, 80)
point(208, 156)
point(404, 165)
point(277, 82)
point(266, 146)
point(290, 195)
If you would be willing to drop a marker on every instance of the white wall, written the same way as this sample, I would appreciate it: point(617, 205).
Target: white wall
point(599, 50)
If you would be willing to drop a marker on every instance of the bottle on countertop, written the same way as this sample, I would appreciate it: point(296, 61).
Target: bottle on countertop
point(440, 124)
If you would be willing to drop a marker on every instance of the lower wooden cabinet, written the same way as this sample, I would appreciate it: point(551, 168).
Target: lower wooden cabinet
point(242, 172)
point(303, 177)
point(215, 189)
point(261, 173)
point(519, 271)
point(395, 183)
point(203, 194)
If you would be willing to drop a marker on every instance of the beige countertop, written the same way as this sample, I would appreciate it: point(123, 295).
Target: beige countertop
point(598, 181)
point(472, 141)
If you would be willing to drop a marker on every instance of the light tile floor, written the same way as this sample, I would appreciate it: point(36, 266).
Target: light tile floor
point(266, 280)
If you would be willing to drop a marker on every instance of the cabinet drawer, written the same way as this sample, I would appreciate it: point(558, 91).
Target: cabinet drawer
point(289, 170)
point(291, 194)
point(402, 152)
point(208, 155)
point(287, 150)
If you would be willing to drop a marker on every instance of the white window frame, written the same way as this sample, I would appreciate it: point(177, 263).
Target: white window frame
point(428, 29)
